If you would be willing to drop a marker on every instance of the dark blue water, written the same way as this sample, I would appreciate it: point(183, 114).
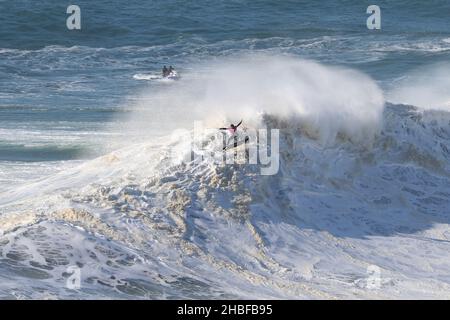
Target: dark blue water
point(60, 90)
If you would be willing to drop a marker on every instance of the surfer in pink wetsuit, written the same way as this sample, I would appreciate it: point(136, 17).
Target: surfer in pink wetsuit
point(232, 130)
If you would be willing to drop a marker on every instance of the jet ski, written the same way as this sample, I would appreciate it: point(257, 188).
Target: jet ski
point(173, 75)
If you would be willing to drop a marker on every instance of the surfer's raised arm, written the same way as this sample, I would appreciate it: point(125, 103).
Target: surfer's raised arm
point(238, 124)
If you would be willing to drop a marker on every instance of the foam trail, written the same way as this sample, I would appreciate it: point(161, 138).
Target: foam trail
point(426, 87)
point(325, 100)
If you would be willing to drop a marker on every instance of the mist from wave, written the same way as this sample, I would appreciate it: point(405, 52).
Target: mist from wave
point(426, 87)
point(249, 86)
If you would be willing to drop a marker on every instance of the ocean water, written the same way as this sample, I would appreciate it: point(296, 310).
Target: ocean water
point(59, 87)
point(85, 138)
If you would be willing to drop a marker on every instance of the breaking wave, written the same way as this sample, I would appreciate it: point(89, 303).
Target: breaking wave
point(325, 100)
point(137, 225)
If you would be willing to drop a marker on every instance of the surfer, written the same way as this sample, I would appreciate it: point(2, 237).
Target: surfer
point(232, 131)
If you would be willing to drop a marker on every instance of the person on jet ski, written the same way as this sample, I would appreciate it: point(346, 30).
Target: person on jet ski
point(171, 69)
point(165, 71)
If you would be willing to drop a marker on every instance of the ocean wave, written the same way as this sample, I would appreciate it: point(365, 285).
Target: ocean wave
point(136, 212)
point(328, 100)
point(30, 64)
point(137, 224)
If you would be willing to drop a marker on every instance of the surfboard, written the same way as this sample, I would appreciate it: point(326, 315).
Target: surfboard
point(234, 145)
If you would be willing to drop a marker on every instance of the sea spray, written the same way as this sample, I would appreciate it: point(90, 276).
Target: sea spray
point(326, 101)
point(426, 87)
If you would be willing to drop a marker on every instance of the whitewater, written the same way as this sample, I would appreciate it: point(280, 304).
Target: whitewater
point(362, 191)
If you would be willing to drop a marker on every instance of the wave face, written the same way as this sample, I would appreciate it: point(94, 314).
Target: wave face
point(137, 225)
